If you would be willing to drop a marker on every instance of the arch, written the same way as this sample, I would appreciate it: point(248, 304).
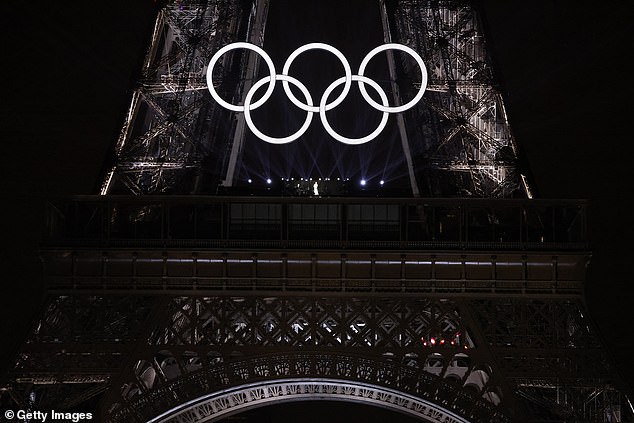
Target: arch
point(241, 398)
point(292, 376)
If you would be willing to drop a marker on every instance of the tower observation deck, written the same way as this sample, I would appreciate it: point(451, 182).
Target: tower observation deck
point(216, 273)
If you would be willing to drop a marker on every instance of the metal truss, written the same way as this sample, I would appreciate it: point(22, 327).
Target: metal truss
point(298, 272)
point(458, 142)
point(242, 398)
point(542, 338)
point(485, 359)
point(75, 348)
point(459, 135)
point(295, 377)
point(380, 324)
point(318, 223)
point(173, 139)
point(143, 311)
point(363, 339)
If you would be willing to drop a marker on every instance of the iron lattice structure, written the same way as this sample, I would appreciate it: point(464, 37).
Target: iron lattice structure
point(186, 308)
point(462, 144)
point(175, 140)
point(459, 309)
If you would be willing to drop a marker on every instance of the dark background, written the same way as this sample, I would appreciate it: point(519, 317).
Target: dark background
point(68, 72)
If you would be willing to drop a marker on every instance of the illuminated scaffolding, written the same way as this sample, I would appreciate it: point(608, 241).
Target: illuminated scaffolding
point(173, 139)
point(457, 142)
point(460, 138)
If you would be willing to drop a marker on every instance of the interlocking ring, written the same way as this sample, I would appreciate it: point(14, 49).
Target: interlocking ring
point(423, 72)
point(317, 46)
point(247, 110)
point(324, 106)
point(335, 135)
point(234, 46)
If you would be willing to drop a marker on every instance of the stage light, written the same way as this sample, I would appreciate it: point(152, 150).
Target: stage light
point(249, 181)
point(268, 181)
point(363, 182)
point(382, 182)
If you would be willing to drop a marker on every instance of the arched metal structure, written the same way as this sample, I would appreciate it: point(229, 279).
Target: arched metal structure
point(144, 311)
point(222, 404)
point(212, 392)
point(214, 344)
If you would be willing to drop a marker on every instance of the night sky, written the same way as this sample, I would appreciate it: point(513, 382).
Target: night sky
point(565, 68)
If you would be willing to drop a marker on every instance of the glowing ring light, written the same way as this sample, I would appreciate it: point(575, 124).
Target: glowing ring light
point(324, 120)
point(234, 46)
point(330, 49)
point(260, 134)
point(324, 106)
point(423, 82)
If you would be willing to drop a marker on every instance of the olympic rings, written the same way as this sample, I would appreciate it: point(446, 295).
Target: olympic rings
point(318, 46)
point(423, 83)
point(234, 46)
point(324, 120)
point(247, 110)
point(308, 106)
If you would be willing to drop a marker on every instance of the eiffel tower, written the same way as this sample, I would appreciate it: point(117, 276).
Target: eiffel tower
point(190, 291)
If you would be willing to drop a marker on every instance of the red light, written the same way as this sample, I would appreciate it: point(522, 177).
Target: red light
point(442, 341)
point(453, 343)
point(424, 344)
point(433, 341)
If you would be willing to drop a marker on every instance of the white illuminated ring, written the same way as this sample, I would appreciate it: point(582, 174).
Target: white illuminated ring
point(330, 49)
point(248, 46)
point(423, 82)
point(324, 106)
point(260, 134)
point(324, 119)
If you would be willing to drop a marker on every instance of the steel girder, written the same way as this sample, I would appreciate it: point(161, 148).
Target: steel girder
point(539, 354)
point(173, 140)
point(459, 134)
